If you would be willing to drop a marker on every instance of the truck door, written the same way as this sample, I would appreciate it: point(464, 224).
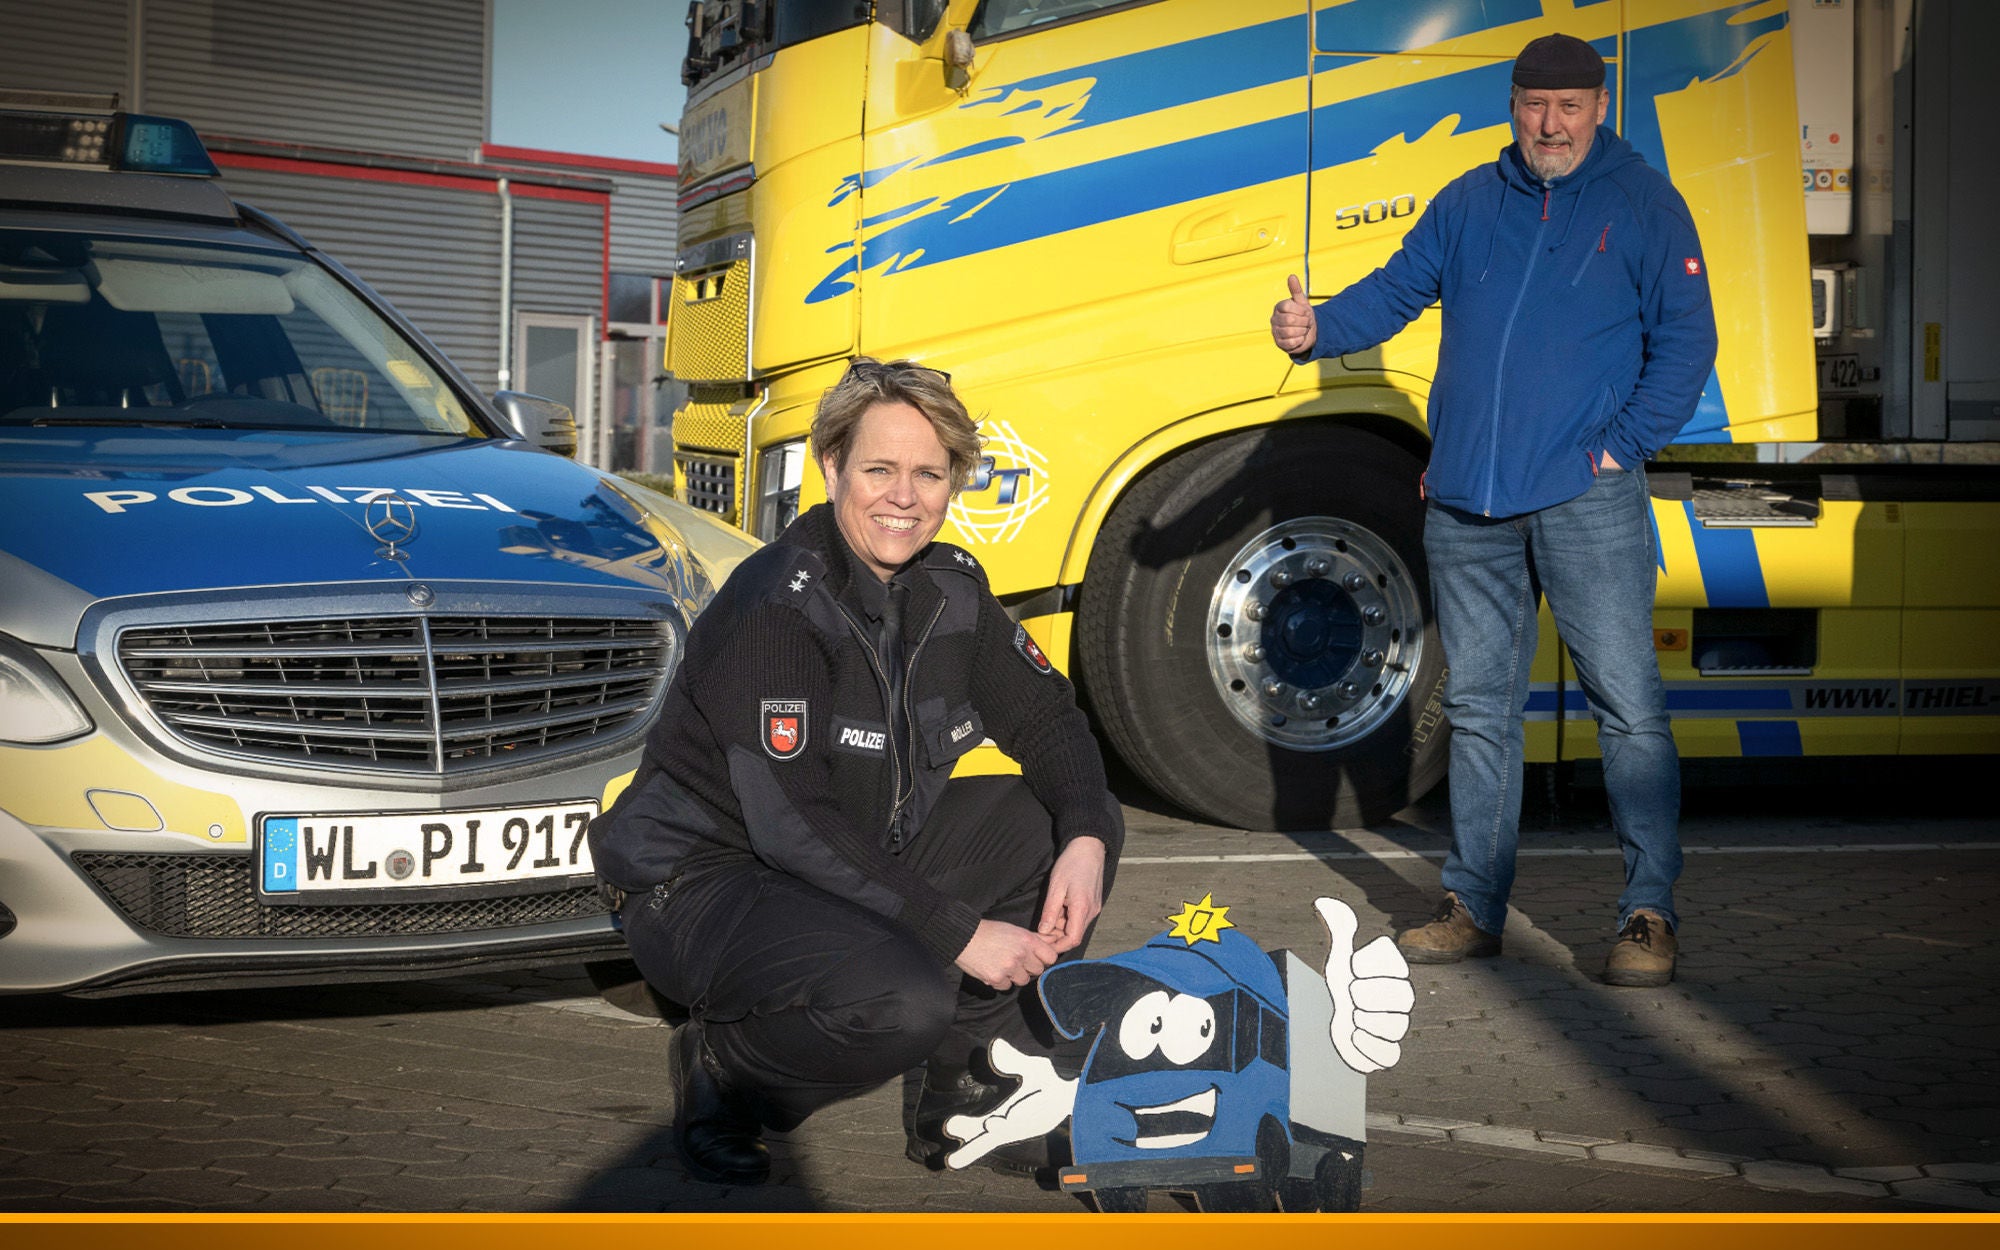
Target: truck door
point(1108, 179)
point(1405, 97)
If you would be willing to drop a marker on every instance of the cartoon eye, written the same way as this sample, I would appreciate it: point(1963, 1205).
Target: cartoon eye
point(1139, 1032)
point(1189, 1029)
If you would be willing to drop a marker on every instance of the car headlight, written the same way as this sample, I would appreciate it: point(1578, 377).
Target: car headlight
point(35, 706)
point(778, 481)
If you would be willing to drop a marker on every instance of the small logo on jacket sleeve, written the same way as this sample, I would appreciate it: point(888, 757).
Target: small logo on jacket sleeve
point(1029, 651)
point(1693, 265)
point(784, 728)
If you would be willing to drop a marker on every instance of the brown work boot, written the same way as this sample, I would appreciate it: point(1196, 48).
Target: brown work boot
point(1448, 938)
point(1644, 953)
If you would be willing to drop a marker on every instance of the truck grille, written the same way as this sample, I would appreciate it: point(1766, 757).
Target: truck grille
point(708, 483)
point(215, 896)
point(401, 694)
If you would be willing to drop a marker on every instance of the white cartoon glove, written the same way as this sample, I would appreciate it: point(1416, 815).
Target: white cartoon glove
point(1043, 1101)
point(1372, 995)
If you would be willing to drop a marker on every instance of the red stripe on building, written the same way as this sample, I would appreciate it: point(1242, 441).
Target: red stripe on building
point(406, 177)
point(539, 156)
point(360, 173)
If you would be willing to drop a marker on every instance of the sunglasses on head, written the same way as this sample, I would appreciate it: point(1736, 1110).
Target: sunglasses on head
point(869, 370)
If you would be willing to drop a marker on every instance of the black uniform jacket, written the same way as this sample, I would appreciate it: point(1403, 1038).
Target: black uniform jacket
point(774, 738)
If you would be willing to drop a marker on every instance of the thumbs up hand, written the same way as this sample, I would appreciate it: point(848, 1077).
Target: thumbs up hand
point(1293, 327)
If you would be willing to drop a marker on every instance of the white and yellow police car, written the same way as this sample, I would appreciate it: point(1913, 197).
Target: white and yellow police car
point(314, 661)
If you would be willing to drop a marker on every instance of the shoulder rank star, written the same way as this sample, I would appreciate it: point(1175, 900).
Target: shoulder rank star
point(962, 558)
point(799, 580)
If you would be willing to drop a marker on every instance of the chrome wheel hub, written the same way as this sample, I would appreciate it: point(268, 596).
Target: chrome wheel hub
point(1314, 633)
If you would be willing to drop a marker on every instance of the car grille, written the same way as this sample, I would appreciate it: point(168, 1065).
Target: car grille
point(215, 896)
point(400, 694)
point(709, 483)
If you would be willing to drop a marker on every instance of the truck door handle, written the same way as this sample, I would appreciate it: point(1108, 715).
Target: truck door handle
point(1222, 234)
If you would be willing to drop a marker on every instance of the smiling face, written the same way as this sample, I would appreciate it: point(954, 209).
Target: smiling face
point(890, 498)
point(1553, 129)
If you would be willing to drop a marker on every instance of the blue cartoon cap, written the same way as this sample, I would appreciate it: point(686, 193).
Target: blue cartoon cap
point(1082, 993)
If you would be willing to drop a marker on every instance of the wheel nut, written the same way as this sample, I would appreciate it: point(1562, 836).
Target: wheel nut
point(1254, 653)
point(1373, 615)
point(1317, 566)
point(1254, 609)
point(1373, 659)
point(1273, 688)
point(1348, 690)
point(1308, 701)
point(1354, 581)
point(1280, 578)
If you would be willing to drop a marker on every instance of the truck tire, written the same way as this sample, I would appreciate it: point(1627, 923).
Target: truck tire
point(1255, 633)
point(1274, 1160)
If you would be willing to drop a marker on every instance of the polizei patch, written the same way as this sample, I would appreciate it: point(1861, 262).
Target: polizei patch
point(1029, 651)
point(860, 737)
point(784, 727)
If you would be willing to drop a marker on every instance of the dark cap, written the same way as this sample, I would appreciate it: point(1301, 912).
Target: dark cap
point(1558, 63)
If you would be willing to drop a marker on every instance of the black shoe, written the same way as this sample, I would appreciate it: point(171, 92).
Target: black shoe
point(947, 1092)
point(717, 1136)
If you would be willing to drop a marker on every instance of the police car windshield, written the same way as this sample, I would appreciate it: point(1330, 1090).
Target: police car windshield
point(112, 330)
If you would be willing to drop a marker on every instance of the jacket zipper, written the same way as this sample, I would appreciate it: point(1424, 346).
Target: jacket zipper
point(1500, 360)
point(910, 722)
point(882, 682)
point(1585, 266)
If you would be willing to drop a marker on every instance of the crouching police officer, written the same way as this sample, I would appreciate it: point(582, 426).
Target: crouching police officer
point(795, 865)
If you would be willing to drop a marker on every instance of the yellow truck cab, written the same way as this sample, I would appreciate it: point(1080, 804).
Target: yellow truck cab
point(1084, 211)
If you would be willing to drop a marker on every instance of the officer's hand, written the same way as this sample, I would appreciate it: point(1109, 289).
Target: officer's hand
point(1293, 327)
point(1043, 1101)
point(1076, 894)
point(1004, 955)
point(1372, 995)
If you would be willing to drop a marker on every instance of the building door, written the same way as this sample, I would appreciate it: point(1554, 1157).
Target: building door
point(553, 359)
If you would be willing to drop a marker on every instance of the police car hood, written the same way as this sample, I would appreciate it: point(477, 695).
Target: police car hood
point(89, 514)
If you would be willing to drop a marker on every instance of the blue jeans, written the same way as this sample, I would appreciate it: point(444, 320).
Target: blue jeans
point(1593, 557)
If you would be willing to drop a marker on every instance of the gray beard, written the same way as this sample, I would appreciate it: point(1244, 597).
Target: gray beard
point(1550, 167)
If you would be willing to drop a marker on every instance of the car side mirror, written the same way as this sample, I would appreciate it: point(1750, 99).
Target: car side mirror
point(543, 422)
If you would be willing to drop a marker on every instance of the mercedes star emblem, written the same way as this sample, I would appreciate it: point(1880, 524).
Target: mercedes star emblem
point(393, 520)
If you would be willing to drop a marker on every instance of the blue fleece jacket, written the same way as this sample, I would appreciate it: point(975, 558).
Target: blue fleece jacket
point(1576, 321)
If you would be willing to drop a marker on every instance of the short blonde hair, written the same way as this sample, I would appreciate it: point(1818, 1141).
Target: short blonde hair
point(869, 382)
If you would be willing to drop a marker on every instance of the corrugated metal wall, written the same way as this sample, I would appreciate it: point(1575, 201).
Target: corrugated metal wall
point(405, 81)
point(645, 224)
point(377, 75)
point(559, 256)
point(433, 251)
point(78, 45)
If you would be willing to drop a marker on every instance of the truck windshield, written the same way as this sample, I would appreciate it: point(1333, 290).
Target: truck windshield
point(723, 34)
point(114, 330)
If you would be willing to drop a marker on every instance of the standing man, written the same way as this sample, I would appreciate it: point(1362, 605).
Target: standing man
point(1577, 338)
point(793, 860)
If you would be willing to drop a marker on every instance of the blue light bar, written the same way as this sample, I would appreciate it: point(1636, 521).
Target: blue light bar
point(162, 145)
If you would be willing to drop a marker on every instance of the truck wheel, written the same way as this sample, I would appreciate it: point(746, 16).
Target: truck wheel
point(1337, 1182)
point(1255, 635)
point(1274, 1159)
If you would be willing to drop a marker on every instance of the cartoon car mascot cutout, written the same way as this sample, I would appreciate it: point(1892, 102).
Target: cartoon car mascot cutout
point(1217, 1069)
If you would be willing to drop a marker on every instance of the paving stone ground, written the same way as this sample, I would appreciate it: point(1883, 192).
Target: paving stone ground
point(1832, 1043)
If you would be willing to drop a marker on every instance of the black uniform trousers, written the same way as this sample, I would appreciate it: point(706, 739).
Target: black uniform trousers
point(806, 998)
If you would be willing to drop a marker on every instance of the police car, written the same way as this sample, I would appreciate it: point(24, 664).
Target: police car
point(314, 661)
